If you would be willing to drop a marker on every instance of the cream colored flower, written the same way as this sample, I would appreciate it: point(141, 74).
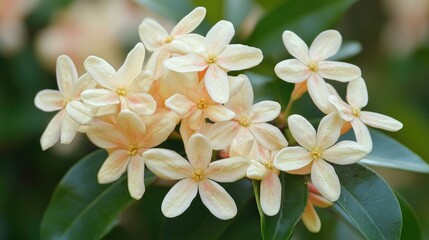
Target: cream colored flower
point(357, 98)
point(126, 138)
point(310, 218)
point(216, 57)
point(63, 126)
point(196, 176)
point(311, 65)
point(316, 149)
point(126, 87)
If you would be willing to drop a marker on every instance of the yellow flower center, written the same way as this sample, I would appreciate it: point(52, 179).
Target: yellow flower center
point(269, 165)
point(244, 122)
point(132, 150)
point(202, 103)
point(121, 91)
point(66, 101)
point(356, 112)
point(313, 67)
point(198, 175)
point(316, 153)
point(169, 39)
point(211, 60)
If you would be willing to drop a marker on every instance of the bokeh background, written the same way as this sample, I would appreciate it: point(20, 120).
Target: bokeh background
point(394, 58)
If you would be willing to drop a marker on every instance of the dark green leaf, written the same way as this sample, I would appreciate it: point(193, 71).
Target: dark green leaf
point(307, 18)
point(80, 207)
point(294, 199)
point(215, 9)
point(368, 203)
point(410, 227)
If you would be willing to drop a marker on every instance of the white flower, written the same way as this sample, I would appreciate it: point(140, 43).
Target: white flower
point(316, 149)
point(217, 57)
point(357, 98)
point(196, 176)
point(311, 65)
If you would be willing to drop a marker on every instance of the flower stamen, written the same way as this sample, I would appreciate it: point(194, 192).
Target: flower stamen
point(356, 112)
point(132, 150)
point(169, 39)
point(121, 91)
point(313, 67)
point(198, 175)
point(316, 153)
point(244, 122)
point(202, 103)
point(211, 60)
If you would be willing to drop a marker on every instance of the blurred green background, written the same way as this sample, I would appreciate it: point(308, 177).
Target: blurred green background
point(394, 60)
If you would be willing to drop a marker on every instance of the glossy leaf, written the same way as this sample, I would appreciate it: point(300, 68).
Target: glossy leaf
point(294, 199)
point(368, 203)
point(307, 18)
point(80, 208)
point(411, 228)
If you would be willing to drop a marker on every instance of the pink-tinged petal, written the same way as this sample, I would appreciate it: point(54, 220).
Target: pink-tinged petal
point(102, 72)
point(158, 127)
point(325, 45)
point(256, 170)
point(319, 93)
point(181, 105)
point(228, 169)
point(100, 97)
point(132, 66)
point(302, 171)
point(217, 200)
point(189, 22)
point(219, 36)
point(196, 120)
point(238, 57)
point(345, 152)
point(296, 46)
point(380, 121)
point(113, 167)
point(268, 136)
point(83, 83)
point(325, 178)
point(52, 132)
point(329, 130)
point(152, 34)
point(66, 74)
point(143, 82)
point(69, 128)
point(135, 170)
point(310, 219)
point(217, 113)
point(243, 145)
point(340, 71)
point(141, 103)
point(264, 111)
point(292, 70)
point(318, 200)
point(292, 158)
point(131, 125)
point(49, 100)
point(80, 112)
point(357, 94)
point(183, 83)
point(189, 43)
point(167, 164)
point(155, 63)
point(302, 131)
point(242, 102)
point(179, 198)
point(221, 134)
point(343, 109)
point(271, 194)
point(235, 84)
point(106, 136)
point(199, 151)
point(188, 63)
point(216, 82)
point(362, 134)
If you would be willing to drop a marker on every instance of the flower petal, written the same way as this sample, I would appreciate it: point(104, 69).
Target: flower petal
point(344, 110)
point(102, 72)
point(188, 63)
point(69, 128)
point(228, 169)
point(217, 200)
point(268, 136)
point(199, 151)
point(152, 34)
point(158, 127)
point(238, 57)
point(264, 111)
point(217, 113)
point(271, 194)
point(380, 121)
point(49, 100)
point(100, 97)
point(319, 93)
point(340, 71)
point(256, 170)
point(131, 125)
point(357, 94)
point(52, 132)
point(219, 36)
point(326, 180)
point(242, 102)
point(216, 82)
point(310, 218)
point(167, 164)
point(135, 171)
point(345, 152)
point(106, 136)
point(132, 66)
point(141, 103)
point(181, 105)
point(329, 130)
point(292, 158)
point(325, 45)
point(80, 112)
point(296, 46)
point(235, 84)
point(179, 198)
point(189, 22)
point(362, 134)
point(221, 134)
point(302, 131)
point(113, 167)
point(292, 70)
point(66, 74)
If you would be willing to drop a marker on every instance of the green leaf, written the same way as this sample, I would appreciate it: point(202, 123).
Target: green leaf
point(387, 152)
point(171, 9)
point(294, 199)
point(347, 50)
point(307, 18)
point(368, 203)
point(411, 227)
point(80, 207)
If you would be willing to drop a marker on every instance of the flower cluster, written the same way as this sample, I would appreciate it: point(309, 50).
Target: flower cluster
point(131, 110)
